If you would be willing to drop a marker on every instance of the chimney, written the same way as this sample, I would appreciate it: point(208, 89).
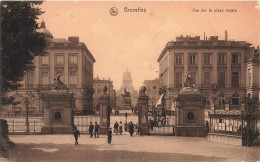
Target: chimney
point(226, 35)
point(74, 39)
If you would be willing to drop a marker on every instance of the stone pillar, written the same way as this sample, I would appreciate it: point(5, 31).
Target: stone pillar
point(104, 114)
point(143, 113)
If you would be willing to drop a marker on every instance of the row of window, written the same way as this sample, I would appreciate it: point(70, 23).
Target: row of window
point(45, 78)
point(222, 101)
point(221, 79)
point(207, 58)
point(59, 59)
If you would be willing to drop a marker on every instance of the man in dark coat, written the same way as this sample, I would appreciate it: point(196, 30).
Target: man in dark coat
point(76, 134)
point(116, 127)
point(109, 135)
point(131, 129)
point(96, 130)
point(90, 129)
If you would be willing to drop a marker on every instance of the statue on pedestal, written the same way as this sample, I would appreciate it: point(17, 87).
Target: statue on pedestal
point(58, 84)
point(188, 85)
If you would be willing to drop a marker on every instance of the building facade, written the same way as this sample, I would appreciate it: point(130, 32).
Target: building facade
point(217, 67)
point(98, 85)
point(152, 91)
point(67, 58)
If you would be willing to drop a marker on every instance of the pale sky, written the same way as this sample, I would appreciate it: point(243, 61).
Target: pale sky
point(134, 40)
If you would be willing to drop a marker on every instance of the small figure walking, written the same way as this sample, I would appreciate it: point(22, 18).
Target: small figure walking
point(125, 115)
point(96, 130)
point(116, 127)
point(90, 129)
point(125, 126)
point(120, 128)
point(109, 135)
point(76, 135)
point(131, 128)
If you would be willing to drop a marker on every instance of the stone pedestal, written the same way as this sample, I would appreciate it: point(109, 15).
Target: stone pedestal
point(143, 114)
point(58, 112)
point(104, 114)
point(190, 120)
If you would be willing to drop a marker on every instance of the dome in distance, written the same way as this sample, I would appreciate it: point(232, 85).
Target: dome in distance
point(46, 32)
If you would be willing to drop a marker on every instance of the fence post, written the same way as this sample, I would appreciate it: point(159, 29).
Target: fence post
point(34, 126)
point(13, 125)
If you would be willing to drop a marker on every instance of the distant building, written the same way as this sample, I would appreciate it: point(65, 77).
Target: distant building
point(152, 91)
point(127, 84)
point(68, 58)
point(98, 85)
point(217, 67)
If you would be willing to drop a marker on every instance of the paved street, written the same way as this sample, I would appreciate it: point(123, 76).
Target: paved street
point(125, 148)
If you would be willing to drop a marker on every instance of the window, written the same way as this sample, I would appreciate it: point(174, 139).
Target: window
point(178, 79)
point(221, 100)
point(178, 58)
point(59, 59)
point(30, 78)
point(45, 60)
point(73, 59)
point(249, 76)
point(207, 58)
point(221, 58)
point(154, 87)
point(235, 80)
point(73, 77)
point(207, 78)
point(221, 79)
point(45, 78)
point(235, 58)
point(235, 99)
point(192, 58)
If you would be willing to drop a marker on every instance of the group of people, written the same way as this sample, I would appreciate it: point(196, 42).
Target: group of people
point(118, 128)
point(130, 127)
point(94, 128)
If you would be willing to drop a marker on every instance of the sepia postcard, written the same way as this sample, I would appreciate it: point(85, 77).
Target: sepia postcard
point(130, 81)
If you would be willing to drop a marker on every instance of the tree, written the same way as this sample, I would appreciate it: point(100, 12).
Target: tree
point(250, 113)
point(20, 43)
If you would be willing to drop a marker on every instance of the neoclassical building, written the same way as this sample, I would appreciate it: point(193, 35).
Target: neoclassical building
point(68, 58)
point(152, 91)
point(98, 86)
point(217, 67)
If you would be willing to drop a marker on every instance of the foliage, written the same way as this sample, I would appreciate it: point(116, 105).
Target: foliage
point(5, 143)
point(20, 42)
point(250, 110)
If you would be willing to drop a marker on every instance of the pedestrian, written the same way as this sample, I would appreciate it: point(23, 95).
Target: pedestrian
point(125, 115)
point(151, 124)
point(109, 135)
point(125, 126)
point(76, 135)
point(132, 110)
point(90, 129)
point(96, 130)
point(131, 128)
point(120, 128)
point(116, 127)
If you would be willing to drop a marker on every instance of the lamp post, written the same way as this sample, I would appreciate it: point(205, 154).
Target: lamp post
point(28, 98)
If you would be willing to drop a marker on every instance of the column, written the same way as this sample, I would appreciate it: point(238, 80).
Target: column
point(104, 114)
point(199, 75)
point(143, 114)
point(215, 68)
point(228, 74)
point(185, 62)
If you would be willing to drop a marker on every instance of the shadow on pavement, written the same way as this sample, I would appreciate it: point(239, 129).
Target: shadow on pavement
point(69, 152)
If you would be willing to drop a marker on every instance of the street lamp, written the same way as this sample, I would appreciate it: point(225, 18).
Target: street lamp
point(29, 97)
